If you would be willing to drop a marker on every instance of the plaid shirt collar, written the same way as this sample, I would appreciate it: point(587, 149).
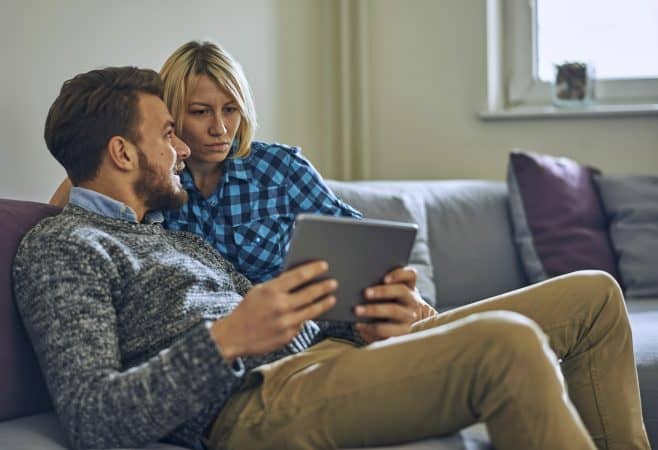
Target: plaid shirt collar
point(231, 168)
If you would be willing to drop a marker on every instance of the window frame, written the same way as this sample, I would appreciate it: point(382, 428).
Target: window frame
point(524, 88)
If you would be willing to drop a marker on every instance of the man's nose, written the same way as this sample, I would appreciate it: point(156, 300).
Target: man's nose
point(182, 150)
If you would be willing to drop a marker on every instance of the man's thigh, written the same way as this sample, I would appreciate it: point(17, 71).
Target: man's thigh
point(415, 386)
point(336, 395)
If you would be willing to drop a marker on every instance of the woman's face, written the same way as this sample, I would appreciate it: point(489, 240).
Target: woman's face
point(210, 122)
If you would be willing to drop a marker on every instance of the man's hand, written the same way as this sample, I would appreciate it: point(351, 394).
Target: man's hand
point(395, 305)
point(270, 315)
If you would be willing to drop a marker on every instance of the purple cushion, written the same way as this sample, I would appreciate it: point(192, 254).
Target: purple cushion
point(559, 221)
point(22, 388)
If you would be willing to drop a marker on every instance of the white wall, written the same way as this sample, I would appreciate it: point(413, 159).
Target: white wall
point(43, 43)
point(426, 66)
point(428, 81)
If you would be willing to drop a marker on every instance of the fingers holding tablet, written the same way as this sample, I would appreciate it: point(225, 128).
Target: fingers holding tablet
point(391, 310)
point(405, 275)
point(296, 277)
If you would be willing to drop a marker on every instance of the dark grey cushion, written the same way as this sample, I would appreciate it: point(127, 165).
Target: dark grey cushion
point(382, 205)
point(631, 204)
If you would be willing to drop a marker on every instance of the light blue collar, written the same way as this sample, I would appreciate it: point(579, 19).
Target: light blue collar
point(106, 206)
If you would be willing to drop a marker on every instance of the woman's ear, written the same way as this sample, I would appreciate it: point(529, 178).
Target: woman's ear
point(122, 154)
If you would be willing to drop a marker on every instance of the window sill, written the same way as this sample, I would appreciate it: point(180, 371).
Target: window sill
point(552, 112)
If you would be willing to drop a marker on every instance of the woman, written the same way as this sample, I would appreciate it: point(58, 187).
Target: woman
point(243, 194)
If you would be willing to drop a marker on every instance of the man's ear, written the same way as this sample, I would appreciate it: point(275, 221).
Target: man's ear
point(122, 153)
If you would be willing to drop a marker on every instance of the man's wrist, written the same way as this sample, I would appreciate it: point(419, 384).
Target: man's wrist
point(219, 334)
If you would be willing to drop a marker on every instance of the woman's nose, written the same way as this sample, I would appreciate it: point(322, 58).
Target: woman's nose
point(218, 128)
point(182, 150)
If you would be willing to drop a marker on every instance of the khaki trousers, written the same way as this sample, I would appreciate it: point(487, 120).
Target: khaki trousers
point(494, 361)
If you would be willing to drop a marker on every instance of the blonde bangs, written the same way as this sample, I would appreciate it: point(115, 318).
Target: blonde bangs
point(174, 75)
point(181, 71)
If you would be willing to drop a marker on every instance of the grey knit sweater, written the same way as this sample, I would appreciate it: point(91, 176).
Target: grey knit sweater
point(118, 314)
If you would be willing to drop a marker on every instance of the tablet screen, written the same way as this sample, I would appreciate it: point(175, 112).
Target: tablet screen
point(360, 252)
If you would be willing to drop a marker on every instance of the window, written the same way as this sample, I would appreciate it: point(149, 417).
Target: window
point(527, 37)
point(619, 38)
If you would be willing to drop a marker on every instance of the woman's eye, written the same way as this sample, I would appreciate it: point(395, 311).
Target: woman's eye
point(230, 109)
point(200, 112)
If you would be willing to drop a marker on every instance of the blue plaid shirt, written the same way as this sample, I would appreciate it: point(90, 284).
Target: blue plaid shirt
point(249, 216)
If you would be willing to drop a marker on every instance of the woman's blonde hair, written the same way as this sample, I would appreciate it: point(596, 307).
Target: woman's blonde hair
point(197, 58)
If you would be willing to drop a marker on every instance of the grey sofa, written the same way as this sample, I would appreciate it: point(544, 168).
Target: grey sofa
point(469, 255)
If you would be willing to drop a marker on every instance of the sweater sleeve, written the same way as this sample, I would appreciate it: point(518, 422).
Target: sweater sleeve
point(65, 292)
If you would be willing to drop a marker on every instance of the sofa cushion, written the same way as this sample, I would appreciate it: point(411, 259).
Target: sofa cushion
point(381, 205)
point(44, 432)
point(22, 389)
point(469, 236)
point(631, 204)
point(558, 218)
point(643, 314)
point(471, 241)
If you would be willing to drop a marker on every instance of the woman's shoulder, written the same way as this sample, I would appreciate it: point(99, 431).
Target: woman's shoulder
point(272, 150)
point(272, 163)
point(273, 159)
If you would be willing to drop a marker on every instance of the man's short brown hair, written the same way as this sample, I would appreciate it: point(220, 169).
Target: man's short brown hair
point(90, 109)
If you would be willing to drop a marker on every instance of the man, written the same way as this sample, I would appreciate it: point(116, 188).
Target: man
point(145, 334)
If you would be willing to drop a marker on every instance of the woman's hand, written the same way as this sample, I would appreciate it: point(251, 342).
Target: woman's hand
point(395, 305)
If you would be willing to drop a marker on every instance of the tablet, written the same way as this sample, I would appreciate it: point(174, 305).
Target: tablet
point(360, 252)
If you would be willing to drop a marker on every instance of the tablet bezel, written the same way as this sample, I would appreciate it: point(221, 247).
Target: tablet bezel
point(360, 252)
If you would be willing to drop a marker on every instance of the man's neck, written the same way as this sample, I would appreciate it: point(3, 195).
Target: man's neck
point(121, 192)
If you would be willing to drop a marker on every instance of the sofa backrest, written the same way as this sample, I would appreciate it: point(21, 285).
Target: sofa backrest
point(375, 204)
point(470, 236)
point(22, 388)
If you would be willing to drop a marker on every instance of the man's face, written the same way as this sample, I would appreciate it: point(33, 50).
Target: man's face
point(158, 185)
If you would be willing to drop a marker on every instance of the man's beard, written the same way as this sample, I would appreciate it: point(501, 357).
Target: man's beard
point(157, 191)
